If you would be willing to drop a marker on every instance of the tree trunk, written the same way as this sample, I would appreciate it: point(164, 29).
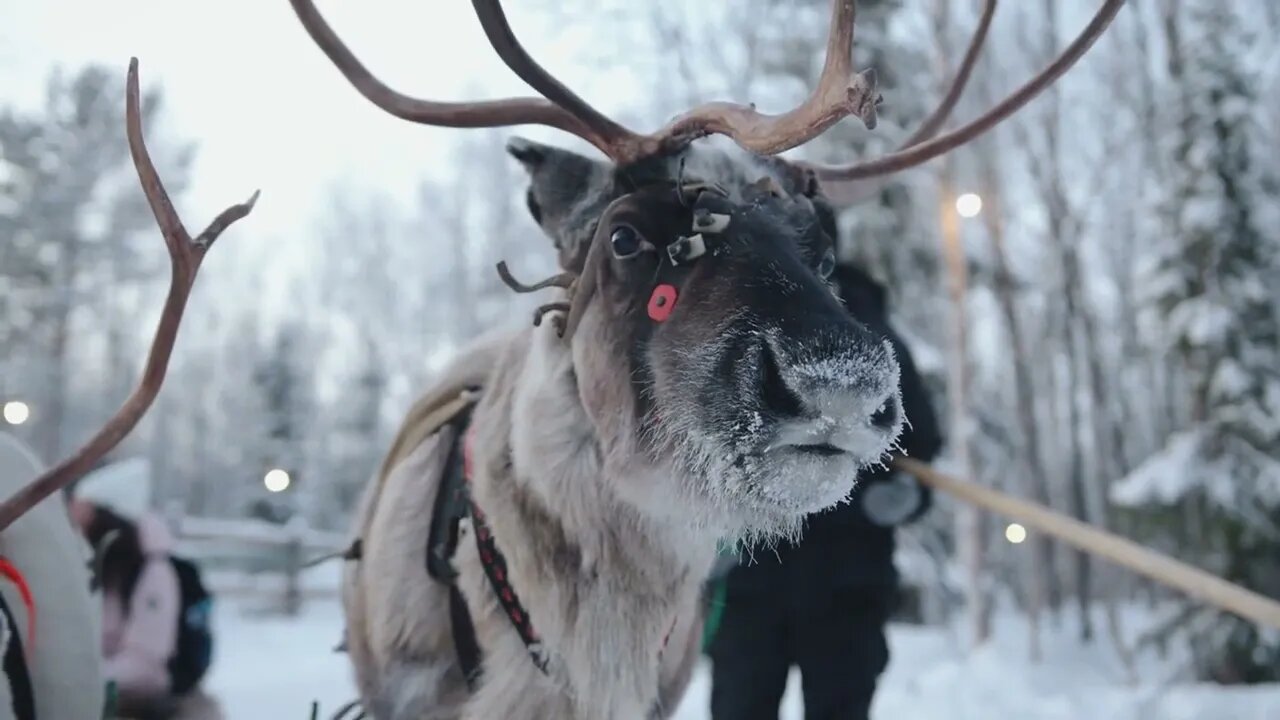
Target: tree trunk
point(969, 536)
point(1034, 477)
point(1079, 470)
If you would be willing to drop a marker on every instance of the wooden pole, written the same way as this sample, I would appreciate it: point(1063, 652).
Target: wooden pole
point(1196, 583)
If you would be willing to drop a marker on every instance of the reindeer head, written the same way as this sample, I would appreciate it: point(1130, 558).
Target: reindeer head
point(706, 339)
point(703, 332)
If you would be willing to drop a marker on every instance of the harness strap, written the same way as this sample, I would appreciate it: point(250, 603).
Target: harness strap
point(453, 503)
point(464, 637)
point(15, 658)
point(495, 568)
point(450, 508)
point(13, 575)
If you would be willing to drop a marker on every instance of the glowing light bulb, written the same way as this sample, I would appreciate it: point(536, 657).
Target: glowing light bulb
point(16, 412)
point(276, 480)
point(969, 205)
point(1015, 533)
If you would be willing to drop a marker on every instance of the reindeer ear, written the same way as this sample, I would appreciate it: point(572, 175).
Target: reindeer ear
point(528, 152)
point(562, 186)
point(559, 179)
point(826, 218)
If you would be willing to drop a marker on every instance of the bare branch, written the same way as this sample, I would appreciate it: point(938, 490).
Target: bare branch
point(923, 152)
point(186, 255)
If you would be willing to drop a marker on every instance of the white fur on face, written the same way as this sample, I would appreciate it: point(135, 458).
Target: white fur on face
point(755, 495)
point(742, 472)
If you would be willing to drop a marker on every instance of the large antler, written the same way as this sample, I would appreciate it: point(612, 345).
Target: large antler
point(186, 254)
point(920, 149)
point(487, 113)
point(850, 191)
point(840, 92)
point(940, 114)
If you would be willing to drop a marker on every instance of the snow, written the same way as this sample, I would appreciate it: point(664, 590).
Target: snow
point(1162, 478)
point(275, 667)
point(1202, 320)
point(125, 485)
point(1185, 465)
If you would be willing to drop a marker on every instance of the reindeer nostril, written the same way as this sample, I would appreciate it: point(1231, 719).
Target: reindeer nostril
point(887, 415)
point(776, 395)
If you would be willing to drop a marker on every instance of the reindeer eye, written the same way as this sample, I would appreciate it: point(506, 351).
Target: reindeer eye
point(627, 242)
point(827, 264)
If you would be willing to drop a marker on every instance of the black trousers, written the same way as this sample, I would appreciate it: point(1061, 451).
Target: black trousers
point(836, 636)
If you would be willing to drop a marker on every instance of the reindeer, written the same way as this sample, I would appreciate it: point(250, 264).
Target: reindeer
point(698, 381)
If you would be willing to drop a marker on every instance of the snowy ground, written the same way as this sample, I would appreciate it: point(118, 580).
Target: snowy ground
point(272, 668)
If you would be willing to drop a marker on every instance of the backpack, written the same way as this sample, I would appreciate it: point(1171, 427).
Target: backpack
point(193, 652)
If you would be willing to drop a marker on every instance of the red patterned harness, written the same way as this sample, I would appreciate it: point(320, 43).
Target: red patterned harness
point(454, 504)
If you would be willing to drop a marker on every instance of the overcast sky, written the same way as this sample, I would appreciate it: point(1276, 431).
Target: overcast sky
point(268, 109)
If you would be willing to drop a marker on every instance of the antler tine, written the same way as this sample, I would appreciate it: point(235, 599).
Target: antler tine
point(494, 22)
point(186, 255)
point(846, 192)
point(485, 113)
point(922, 152)
point(840, 92)
point(938, 118)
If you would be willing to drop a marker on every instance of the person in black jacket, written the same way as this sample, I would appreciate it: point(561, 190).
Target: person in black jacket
point(823, 603)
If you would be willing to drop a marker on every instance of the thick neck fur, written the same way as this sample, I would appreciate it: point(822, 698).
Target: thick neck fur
point(602, 577)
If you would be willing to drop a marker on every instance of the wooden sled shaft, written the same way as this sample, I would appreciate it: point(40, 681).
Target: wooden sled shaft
point(1193, 581)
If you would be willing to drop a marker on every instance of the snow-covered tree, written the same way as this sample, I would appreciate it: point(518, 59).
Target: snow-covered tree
point(284, 381)
point(1214, 301)
point(76, 246)
point(357, 440)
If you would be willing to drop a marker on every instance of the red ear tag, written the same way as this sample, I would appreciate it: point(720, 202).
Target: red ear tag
point(662, 302)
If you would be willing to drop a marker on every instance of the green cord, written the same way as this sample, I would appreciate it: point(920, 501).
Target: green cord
point(109, 702)
point(715, 610)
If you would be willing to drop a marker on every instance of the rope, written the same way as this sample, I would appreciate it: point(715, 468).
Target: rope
point(1196, 583)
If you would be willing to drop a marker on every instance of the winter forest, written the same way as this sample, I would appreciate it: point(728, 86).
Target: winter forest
point(1091, 290)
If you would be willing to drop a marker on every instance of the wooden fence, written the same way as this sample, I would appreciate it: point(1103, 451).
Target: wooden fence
point(255, 558)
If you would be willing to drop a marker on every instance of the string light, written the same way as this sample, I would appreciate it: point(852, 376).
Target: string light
point(1015, 533)
point(969, 205)
point(16, 412)
point(276, 480)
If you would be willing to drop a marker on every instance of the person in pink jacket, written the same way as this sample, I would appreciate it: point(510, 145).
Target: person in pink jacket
point(141, 599)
